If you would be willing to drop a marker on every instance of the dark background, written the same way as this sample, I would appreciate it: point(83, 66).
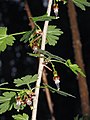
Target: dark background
point(14, 61)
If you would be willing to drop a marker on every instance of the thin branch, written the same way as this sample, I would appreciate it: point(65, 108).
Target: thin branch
point(83, 89)
point(31, 23)
point(40, 69)
point(50, 104)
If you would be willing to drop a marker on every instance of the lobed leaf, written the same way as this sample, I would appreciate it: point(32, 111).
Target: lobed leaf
point(26, 37)
point(28, 79)
point(6, 102)
point(5, 39)
point(4, 107)
point(21, 117)
point(53, 34)
point(75, 68)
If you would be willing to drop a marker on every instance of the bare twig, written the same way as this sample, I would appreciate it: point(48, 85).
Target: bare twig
point(50, 104)
point(31, 23)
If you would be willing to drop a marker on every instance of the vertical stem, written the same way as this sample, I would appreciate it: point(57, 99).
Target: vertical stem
point(50, 104)
point(84, 95)
point(40, 69)
point(44, 78)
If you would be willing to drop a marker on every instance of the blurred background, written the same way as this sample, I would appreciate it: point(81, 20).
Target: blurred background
point(15, 63)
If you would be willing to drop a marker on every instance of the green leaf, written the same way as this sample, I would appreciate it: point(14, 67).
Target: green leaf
point(5, 39)
point(81, 4)
point(4, 107)
point(21, 117)
point(28, 79)
point(5, 101)
point(84, 2)
point(51, 56)
point(75, 68)
point(43, 18)
point(26, 37)
point(53, 34)
point(59, 92)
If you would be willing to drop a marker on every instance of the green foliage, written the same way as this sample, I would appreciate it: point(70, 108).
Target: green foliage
point(81, 4)
point(53, 34)
point(59, 92)
point(21, 117)
point(74, 67)
point(5, 39)
point(53, 58)
point(6, 101)
point(28, 35)
point(28, 79)
point(9, 99)
point(43, 18)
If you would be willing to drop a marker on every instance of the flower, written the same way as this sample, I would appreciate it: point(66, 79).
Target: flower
point(56, 79)
point(18, 101)
point(35, 48)
point(55, 8)
point(28, 102)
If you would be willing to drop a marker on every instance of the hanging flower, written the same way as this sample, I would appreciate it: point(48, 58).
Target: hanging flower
point(35, 47)
point(28, 102)
point(18, 101)
point(55, 8)
point(56, 79)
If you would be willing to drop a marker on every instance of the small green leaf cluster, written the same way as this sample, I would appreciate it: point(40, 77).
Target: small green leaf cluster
point(53, 33)
point(53, 58)
point(18, 98)
point(28, 35)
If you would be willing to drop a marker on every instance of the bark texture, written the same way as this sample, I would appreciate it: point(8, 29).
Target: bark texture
point(83, 89)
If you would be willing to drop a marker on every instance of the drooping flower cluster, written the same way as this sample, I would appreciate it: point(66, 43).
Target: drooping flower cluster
point(35, 43)
point(23, 100)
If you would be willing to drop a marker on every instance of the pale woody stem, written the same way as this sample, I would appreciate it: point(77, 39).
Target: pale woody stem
point(40, 69)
